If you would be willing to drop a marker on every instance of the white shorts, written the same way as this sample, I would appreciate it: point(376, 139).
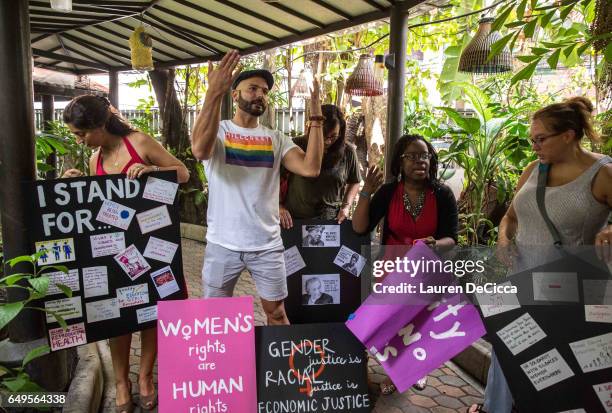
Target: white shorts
point(222, 267)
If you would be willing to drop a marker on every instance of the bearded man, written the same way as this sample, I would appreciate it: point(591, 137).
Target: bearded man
point(242, 160)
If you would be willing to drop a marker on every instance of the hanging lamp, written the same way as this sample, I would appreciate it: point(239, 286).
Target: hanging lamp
point(302, 87)
point(474, 57)
point(141, 49)
point(363, 82)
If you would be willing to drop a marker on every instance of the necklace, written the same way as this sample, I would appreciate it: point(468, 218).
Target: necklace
point(414, 210)
point(116, 157)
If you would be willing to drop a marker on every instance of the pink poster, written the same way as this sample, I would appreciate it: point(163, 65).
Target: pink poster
point(207, 356)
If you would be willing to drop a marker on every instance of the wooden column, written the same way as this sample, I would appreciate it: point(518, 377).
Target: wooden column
point(47, 116)
point(113, 88)
point(397, 79)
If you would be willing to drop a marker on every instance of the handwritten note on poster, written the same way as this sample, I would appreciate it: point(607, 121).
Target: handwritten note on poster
point(67, 308)
point(598, 313)
point(497, 303)
point(95, 281)
point(160, 250)
point(593, 353)
point(154, 219)
point(70, 280)
point(293, 261)
point(160, 190)
point(521, 334)
point(555, 286)
point(604, 393)
point(102, 310)
point(107, 244)
point(115, 214)
point(73, 336)
point(547, 369)
point(133, 295)
point(207, 355)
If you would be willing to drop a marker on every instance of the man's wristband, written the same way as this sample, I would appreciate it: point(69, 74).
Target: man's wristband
point(364, 194)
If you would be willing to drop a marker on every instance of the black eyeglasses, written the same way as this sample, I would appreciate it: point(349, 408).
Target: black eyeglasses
point(539, 140)
point(413, 156)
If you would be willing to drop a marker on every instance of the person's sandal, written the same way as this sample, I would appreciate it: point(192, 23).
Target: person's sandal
point(127, 407)
point(421, 384)
point(148, 402)
point(478, 409)
point(387, 388)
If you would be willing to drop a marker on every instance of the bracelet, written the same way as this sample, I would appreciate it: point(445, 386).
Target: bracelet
point(317, 117)
point(364, 194)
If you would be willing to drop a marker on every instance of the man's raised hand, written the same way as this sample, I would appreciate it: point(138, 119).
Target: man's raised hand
point(221, 76)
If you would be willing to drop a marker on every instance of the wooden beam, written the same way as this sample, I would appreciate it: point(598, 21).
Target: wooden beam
point(333, 9)
point(193, 36)
point(122, 47)
point(259, 16)
point(39, 38)
point(202, 24)
point(373, 3)
point(69, 59)
point(61, 43)
point(226, 19)
point(115, 3)
point(297, 14)
point(180, 35)
point(53, 13)
point(95, 50)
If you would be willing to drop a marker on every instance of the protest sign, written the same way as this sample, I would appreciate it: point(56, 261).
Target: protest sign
point(311, 368)
point(323, 249)
point(207, 355)
point(93, 226)
point(413, 338)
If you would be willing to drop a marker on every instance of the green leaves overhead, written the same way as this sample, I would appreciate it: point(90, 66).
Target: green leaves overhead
point(525, 73)
point(469, 125)
point(554, 59)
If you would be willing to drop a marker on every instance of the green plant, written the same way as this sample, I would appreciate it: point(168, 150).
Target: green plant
point(58, 138)
point(482, 146)
point(36, 285)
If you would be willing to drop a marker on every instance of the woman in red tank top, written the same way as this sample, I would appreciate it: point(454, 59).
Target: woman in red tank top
point(122, 150)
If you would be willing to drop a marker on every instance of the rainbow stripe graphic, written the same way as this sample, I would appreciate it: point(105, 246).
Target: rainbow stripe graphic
point(251, 151)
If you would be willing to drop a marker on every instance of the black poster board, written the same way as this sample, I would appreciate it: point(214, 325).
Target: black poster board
point(311, 368)
point(118, 269)
point(562, 323)
point(347, 290)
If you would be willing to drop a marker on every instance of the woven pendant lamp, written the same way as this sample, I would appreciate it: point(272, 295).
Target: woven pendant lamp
point(141, 49)
point(62, 5)
point(301, 88)
point(363, 82)
point(474, 57)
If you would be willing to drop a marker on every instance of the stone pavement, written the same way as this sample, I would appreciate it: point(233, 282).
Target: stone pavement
point(448, 390)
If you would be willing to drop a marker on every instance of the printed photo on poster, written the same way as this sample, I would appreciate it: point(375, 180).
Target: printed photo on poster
point(320, 289)
point(160, 250)
point(55, 251)
point(132, 262)
point(160, 190)
point(320, 235)
point(115, 214)
point(164, 282)
point(350, 261)
point(293, 261)
point(70, 280)
point(107, 244)
point(73, 336)
point(154, 219)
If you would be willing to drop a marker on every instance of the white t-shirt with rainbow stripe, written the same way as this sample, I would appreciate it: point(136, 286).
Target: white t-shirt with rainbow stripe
point(243, 183)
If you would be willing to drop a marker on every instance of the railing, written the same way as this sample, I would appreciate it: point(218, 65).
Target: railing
point(285, 122)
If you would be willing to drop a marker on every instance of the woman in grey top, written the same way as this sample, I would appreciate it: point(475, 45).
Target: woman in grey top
point(578, 200)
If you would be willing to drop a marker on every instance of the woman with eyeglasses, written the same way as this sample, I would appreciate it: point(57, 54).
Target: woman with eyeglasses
point(122, 149)
point(578, 200)
point(330, 195)
point(415, 205)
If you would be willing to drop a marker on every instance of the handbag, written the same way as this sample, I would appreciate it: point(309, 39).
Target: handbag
point(543, 170)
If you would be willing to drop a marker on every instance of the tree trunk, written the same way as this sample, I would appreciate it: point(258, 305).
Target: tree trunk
point(175, 137)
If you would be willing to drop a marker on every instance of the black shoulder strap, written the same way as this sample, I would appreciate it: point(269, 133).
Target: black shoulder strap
point(540, 198)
